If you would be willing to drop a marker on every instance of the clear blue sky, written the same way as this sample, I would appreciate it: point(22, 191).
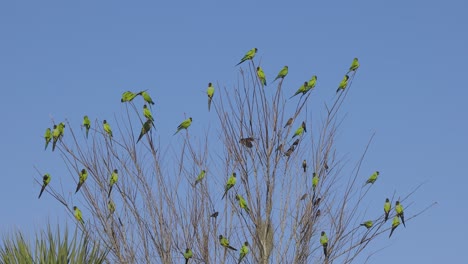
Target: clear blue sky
point(61, 59)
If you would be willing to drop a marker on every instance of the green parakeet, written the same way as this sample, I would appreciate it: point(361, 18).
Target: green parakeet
point(225, 242)
point(354, 65)
point(83, 177)
point(300, 130)
point(86, 124)
point(315, 181)
point(387, 207)
point(188, 254)
point(399, 212)
point(147, 98)
point(111, 206)
point(128, 96)
point(113, 180)
point(78, 215)
point(145, 128)
point(261, 76)
point(47, 137)
point(304, 165)
point(242, 203)
point(210, 93)
point(200, 177)
point(107, 128)
point(282, 73)
point(184, 125)
point(229, 184)
point(55, 136)
point(247, 142)
point(373, 177)
point(147, 113)
point(395, 224)
point(343, 83)
point(243, 251)
point(311, 83)
point(61, 128)
point(248, 56)
point(290, 121)
point(302, 89)
point(324, 242)
point(368, 224)
point(45, 181)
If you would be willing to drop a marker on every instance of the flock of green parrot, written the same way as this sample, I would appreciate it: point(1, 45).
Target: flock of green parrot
point(57, 133)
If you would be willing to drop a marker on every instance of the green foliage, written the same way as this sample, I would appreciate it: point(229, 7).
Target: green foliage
point(51, 247)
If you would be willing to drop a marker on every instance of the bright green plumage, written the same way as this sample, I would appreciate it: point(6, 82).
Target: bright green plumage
point(282, 73)
point(145, 128)
point(113, 180)
point(354, 65)
point(343, 83)
point(311, 83)
point(86, 124)
point(373, 177)
point(111, 206)
point(315, 180)
point(225, 242)
point(210, 93)
point(399, 212)
point(147, 113)
point(82, 179)
point(324, 242)
point(188, 254)
point(55, 136)
point(368, 224)
point(107, 128)
point(242, 203)
point(261, 76)
point(387, 208)
point(200, 177)
point(300, 130)
point(78, 215)
point(45, 181)
point(184, 125)
point(229, 184)
point(128, 96)
point(302, 89)
point(147, 97)
point(243, 251)
point(395, 224)
point(47, 137)
point(248, 56)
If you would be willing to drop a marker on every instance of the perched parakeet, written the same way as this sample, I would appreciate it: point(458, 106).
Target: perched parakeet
point(368, 224)
point(86, 124)
point(300, 130)
point(242, 203)
point(243, 251)
point(111, 206)
point(290, 121)
point(113, 180)
point(147, 98)
point(128, 96)
point(83, 177)
point(324, 242)
point(247, 142)
point(304, 165)
point(282, 73)
point(248, 56)
point(343, 83)
point(225, 242)
point(47, 137)
point(387, 207)
point(302, 89)
point(210, 93)
point(147, 113)
point(45, 181)
point(61, 128)
point(145, 128)
point(395, 224)
point(107, 128)
point(373, 177)
point(200, 177)
point(311, 83)
point(55, 136)
point(188, 254)
point(354, 65)
point(261, 76)
point(229, 184)
point(78, 215)
point(184, 125)
point(399, 212)
point(315, 181)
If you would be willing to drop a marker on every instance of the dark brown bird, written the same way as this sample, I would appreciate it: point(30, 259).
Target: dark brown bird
point(289, 151)
point(215, 214)
point(304, 165)
point(247, 141)
point(296, 142)
point(290, 121)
